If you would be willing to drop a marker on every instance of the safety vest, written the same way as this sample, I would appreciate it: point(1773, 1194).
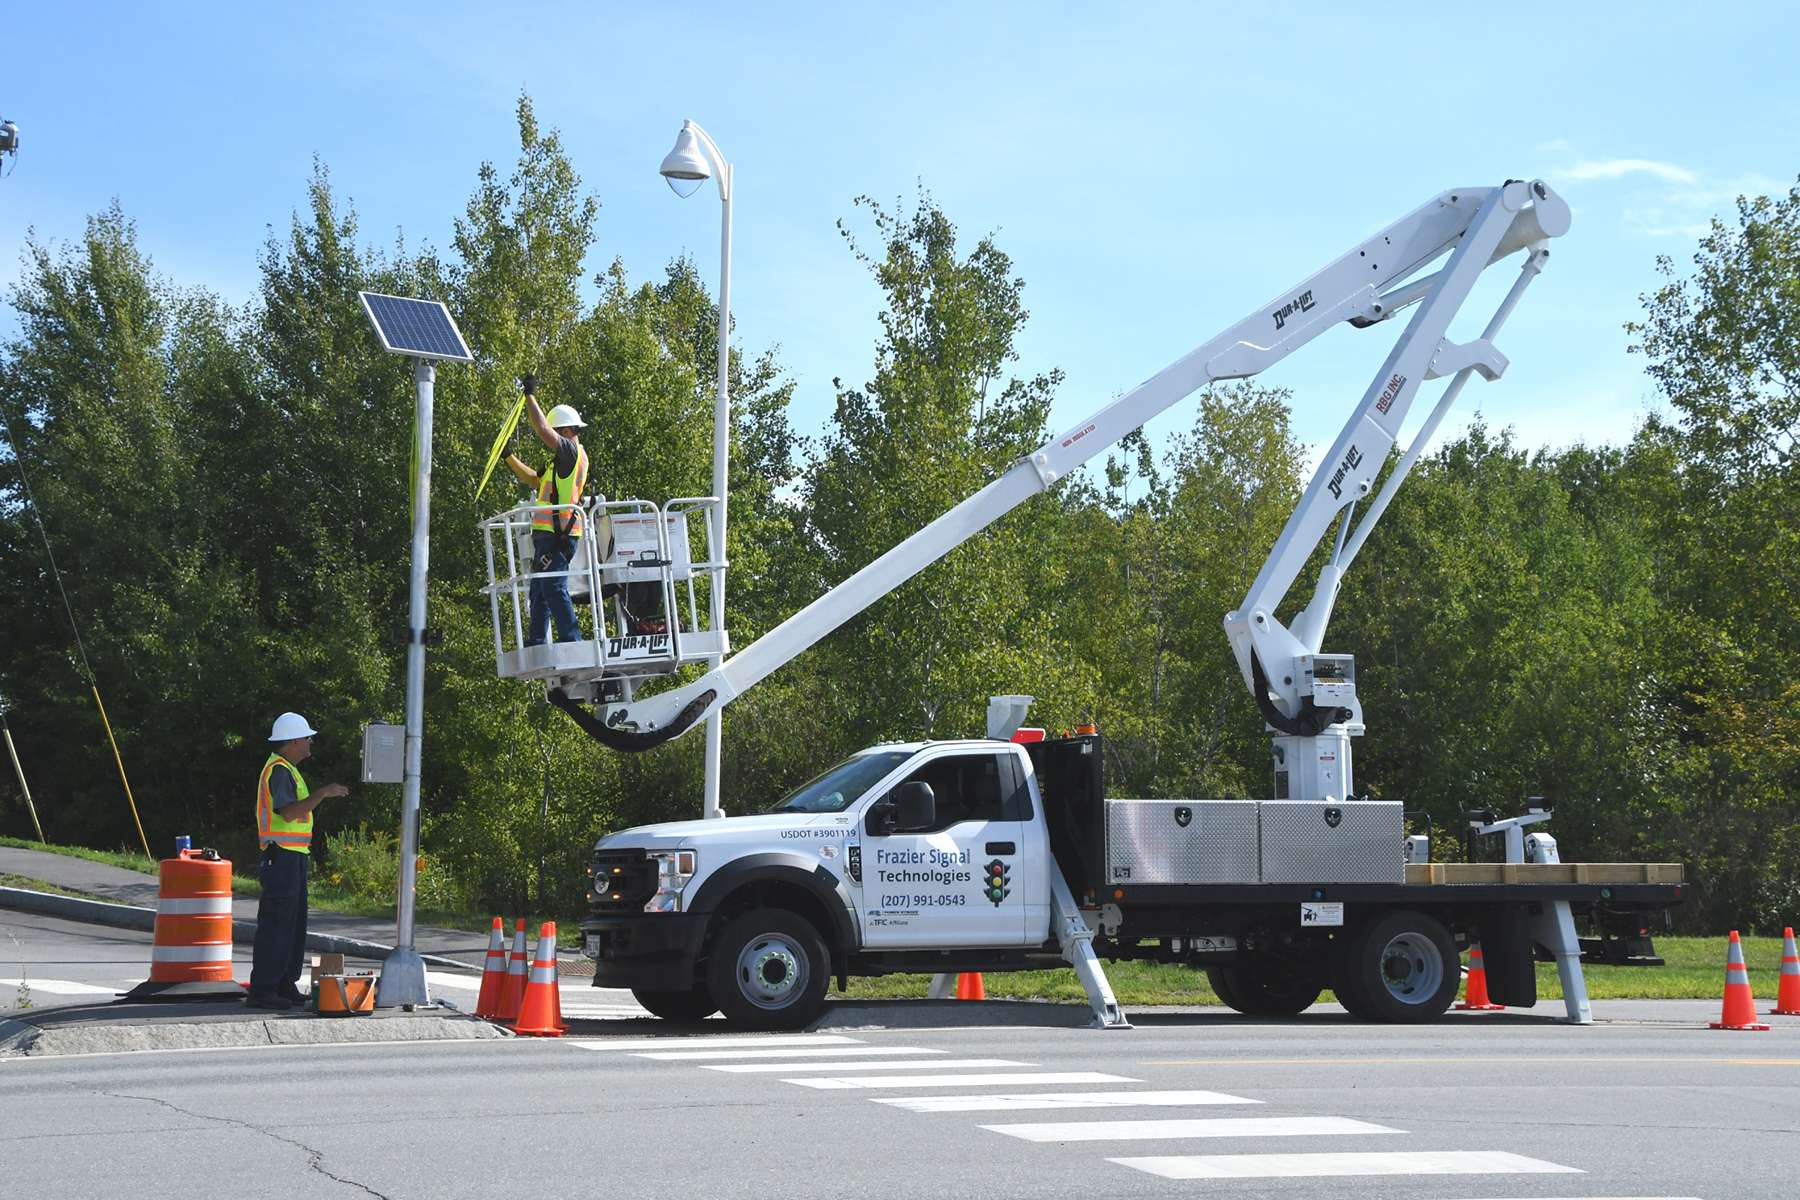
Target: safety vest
point(561, 489)
point(271, 826)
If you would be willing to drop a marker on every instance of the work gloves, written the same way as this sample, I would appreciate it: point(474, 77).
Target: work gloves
point(528, 385)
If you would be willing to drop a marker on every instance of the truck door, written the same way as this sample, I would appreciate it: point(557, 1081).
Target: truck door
point(966, 880)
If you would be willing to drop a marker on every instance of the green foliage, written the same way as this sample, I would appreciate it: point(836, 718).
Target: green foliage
point(364, 864)
point(226, 490)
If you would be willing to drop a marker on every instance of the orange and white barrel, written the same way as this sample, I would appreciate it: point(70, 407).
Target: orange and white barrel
point(193, 919)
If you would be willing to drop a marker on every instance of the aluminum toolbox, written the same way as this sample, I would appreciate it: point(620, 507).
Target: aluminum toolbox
point(1182, 841)
point(1357, 841)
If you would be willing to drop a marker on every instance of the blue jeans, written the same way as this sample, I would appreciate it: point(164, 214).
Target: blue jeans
point(550, 597)
point(280, 921)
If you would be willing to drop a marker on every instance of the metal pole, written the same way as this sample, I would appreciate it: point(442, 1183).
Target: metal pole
point(402, 982)
point(20, 772)
point(721, 482)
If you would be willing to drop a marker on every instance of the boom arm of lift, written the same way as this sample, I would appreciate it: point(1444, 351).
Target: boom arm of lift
point(1367, 285)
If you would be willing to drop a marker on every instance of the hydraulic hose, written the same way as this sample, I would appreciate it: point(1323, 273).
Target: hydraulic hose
point(628, 740)
point(1310, 721)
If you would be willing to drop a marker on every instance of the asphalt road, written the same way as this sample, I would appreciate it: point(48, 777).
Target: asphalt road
point(1636, 1110)
point(1192, 1104)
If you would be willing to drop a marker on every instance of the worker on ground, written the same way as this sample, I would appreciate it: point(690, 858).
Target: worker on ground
point(556, 525)
point(284, 821)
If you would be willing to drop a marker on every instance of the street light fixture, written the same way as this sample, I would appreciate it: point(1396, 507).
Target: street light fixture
point(693, 161)
point(685, 167)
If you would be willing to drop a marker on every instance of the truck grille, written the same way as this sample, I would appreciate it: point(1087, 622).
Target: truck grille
point(624, 881)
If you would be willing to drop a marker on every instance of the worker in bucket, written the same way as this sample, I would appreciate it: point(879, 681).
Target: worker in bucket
point(556, 524)
point(284, 825)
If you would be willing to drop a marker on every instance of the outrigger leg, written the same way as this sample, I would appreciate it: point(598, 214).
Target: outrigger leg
point(1077, 942)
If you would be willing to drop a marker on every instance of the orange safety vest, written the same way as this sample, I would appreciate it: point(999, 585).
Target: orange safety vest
point(564, 490)
point(271, 826)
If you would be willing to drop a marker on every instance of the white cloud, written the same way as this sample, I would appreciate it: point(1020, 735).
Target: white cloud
point(1618, 168)
point(1663, 200)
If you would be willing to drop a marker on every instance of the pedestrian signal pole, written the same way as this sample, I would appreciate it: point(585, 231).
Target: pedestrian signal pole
point(423, 331)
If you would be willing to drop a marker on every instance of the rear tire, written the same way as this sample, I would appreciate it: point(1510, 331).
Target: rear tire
point(681, 1007)
point(1256, 990)
point(1401, 969)
point(768, 970)
point(1343, 977)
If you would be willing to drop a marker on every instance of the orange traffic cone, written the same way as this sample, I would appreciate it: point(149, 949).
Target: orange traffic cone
point(969, 986)
point(1787, 996)
point(512, 989)
point(1475, 995)
point(493, 972)
point(1740, 1005)
point(540, 1015)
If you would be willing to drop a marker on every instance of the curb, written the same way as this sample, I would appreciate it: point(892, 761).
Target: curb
point(243, 933)
point(19, 1039)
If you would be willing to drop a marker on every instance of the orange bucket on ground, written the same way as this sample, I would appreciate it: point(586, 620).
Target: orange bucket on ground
point(346, 995)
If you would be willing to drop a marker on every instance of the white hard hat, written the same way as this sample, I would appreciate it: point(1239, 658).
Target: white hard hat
point(289, 726)
point(564, 416)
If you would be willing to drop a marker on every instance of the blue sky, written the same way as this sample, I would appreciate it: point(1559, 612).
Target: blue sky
point(1155, 172)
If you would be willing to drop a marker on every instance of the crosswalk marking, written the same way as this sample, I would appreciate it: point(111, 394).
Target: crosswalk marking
point(663, 1043)
point(936, 1064)
point(1294, 1166)
point(1056, 1100)
point(784, 1052)
point(450, 979)
point(1200, 1127)
point(66, 987)
point(977, 1080)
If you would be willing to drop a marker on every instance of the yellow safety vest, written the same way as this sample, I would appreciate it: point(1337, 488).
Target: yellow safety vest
point(271, 826)
point(564, 490)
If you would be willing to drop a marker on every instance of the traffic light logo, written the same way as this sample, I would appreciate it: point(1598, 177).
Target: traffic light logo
point(998, 884)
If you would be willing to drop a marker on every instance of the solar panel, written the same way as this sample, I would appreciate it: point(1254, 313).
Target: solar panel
point(420, 328)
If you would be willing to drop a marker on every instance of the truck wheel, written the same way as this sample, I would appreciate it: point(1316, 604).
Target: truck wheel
point(1343, 977)
point(1403, 968)
point(684, 1007)
point(1254, 990)
point(769, 970)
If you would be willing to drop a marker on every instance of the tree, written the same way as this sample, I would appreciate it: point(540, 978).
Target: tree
point(936, 421)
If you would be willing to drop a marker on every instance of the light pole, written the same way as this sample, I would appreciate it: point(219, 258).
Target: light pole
point(423, 331)
point(686, 168)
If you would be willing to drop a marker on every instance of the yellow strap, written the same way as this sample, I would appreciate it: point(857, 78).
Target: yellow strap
point(500, 440)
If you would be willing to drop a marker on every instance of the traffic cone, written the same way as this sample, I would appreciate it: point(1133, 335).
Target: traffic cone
point(1787, 996)
point(969, 986)
point(493, 972)
point(1475, 995)
point(1740, 1005)
point(512, 989)
point(540, 1015)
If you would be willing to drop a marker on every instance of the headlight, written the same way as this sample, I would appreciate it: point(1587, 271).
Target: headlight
point(674, 868)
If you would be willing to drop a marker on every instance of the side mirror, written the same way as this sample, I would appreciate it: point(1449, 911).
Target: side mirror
point(915, 807)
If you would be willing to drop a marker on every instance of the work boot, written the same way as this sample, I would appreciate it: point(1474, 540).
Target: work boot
point(292, 994)
point(268, 1000)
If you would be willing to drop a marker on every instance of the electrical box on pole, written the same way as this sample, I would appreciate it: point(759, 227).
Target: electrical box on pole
point(384, 753)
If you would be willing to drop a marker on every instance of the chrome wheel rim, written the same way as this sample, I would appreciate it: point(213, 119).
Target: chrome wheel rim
point(1412, 970)
point(771, 970)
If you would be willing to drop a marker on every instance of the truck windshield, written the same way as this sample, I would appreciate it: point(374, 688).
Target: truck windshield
point(838, 788)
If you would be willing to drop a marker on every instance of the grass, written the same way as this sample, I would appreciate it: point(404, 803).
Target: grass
point(39, 885)
point(1695, 970)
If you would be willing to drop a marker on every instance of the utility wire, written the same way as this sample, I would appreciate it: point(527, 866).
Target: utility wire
point(18, 456)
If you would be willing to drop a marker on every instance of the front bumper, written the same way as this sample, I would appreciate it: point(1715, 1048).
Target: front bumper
point(653, 951)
